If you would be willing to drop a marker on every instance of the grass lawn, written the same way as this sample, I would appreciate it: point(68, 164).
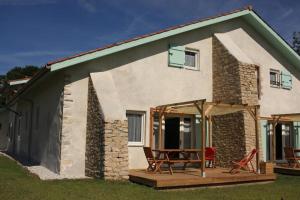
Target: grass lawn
point(16, 183)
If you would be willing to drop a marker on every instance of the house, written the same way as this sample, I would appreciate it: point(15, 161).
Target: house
point(89, 114)
point(7, 91)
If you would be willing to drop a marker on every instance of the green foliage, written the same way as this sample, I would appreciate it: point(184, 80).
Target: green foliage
point(21, 72)
point(16, 183)
point(13, 74)
point(296, 42)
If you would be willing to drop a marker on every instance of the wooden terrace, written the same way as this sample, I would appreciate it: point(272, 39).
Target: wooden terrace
point(193, 178)
point(201, 176)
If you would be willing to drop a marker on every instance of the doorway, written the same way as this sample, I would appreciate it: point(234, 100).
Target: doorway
point(278, 135)
point(172, 133)
point(283, 139)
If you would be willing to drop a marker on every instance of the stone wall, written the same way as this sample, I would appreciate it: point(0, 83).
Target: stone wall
point(116, 150)
point(66, 154)
point(106, 143)
point(94, 165)
point(233, 82)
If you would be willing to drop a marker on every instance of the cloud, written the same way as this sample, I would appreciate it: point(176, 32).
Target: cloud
point(138, 21)
point(88, 5)
point(26, 2)
point(287, 13)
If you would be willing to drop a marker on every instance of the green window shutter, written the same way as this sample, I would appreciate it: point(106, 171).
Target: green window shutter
point(286, 80)
point(264, 136)
point(176, 56)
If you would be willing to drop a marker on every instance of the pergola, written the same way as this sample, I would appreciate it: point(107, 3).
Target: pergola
point(294, 117)
point(207, 110)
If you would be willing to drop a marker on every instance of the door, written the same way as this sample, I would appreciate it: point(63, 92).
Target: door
point(279, 147)
point(172, 133)
point(283, 139)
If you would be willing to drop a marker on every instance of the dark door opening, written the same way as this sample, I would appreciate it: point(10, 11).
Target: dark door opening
point(172, 133)
point(278, 134)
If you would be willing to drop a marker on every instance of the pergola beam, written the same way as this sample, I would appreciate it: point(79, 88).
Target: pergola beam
point(182, 103)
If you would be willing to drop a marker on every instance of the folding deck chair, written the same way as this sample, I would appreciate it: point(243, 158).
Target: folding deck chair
point(244, 163)
point(291, 157)
point(154, 163)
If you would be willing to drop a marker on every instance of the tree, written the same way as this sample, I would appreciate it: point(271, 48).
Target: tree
point(6, 90)
point(296, 42)
point(21, 72)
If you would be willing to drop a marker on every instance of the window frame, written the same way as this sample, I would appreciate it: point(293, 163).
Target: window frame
point(197, 59)
point(143, 127)
point(278, 81)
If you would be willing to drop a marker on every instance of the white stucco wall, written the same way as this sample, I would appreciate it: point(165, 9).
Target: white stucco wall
point(45, 148)
point(140, 78)
point(74, 123)
point(273, 100)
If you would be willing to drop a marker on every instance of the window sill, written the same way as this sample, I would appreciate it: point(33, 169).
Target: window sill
point(135, 144)
point(275, 86)
point(191, 68)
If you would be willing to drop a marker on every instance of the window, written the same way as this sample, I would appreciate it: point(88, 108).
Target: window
point(182, 57)
point(136, 127)
point(274, 78)
point(191, 61)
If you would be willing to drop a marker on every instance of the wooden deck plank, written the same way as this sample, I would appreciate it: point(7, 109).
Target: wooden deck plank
point(192, 178)
point(287, 170)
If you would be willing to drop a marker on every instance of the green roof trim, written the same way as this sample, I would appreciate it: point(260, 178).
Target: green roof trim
point(251, 17)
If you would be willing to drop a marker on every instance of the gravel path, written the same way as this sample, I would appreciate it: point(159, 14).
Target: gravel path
point(45, 174)
point(42, 172)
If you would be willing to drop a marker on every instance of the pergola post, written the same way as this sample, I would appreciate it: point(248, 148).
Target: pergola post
point(203, 139)
point(256, 119)
point(274, 124)
point(210, 130)
point(160, 132)
point(273, 141)
point(151, 128)
point(161, 114)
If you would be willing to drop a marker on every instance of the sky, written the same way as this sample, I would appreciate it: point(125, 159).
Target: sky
point(34, 32)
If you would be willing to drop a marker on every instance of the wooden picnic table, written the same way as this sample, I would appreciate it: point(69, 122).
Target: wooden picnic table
point(184, 156)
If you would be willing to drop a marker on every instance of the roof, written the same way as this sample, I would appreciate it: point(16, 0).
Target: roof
point(247, 14)
point(18, 81)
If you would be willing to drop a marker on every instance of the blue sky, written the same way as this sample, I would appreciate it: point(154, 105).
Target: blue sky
point(38, 31)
